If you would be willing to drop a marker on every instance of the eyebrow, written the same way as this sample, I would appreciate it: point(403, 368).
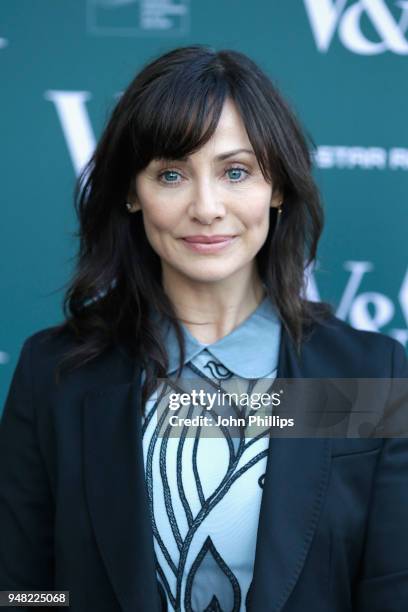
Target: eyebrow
point(221, 156)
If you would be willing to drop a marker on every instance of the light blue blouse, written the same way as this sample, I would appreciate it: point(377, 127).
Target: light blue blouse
point(205, 491)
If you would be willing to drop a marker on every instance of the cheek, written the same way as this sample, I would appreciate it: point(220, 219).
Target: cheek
point(158, 213)
point(161, 228)
point(159, 219)
point(256, 216)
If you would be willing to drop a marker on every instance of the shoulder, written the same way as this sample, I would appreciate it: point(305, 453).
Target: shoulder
point(46, 349)
point(370, 353)
point(50, 340)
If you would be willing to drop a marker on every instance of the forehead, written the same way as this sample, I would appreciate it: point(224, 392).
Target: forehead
point(230, 125)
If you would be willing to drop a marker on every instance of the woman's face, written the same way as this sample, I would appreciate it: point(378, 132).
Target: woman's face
point(219, 191)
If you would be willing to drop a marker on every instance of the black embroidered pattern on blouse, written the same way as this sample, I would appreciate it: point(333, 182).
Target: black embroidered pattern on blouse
point(218, 370)
point(227, 597)
point(261, 481)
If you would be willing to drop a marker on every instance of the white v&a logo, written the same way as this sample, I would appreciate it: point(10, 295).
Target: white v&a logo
point(327, 16)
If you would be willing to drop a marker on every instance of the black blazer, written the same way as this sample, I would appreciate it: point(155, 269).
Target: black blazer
point(333, 526)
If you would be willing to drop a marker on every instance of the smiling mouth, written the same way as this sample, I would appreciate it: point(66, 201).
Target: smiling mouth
point(209, 239)
point(201, 244)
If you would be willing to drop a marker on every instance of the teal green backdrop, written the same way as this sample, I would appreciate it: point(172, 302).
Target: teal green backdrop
point(341, 63)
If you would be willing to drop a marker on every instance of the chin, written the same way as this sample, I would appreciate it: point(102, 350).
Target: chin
point(209, 274)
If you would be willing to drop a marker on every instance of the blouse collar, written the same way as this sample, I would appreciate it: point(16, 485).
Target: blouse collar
point(249, 351)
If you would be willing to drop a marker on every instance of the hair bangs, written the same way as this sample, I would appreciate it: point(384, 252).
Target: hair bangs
point(179, 119)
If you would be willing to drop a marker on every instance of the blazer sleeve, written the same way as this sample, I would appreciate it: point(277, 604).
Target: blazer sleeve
point(26, 503)
point(383, 586)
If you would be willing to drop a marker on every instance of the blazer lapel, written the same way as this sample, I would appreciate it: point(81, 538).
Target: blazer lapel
point(116, 494)
point(294, 488)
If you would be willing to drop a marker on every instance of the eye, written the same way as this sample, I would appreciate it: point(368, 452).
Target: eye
point(236, 170)
point(172, 174)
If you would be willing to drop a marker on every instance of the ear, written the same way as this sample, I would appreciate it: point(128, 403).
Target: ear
point(277, 198)
point(134, 202)
point(133, 199)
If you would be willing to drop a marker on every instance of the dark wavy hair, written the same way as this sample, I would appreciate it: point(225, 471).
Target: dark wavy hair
point(169, 110)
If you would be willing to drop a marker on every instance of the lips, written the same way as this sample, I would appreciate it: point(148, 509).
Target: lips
point(208, 239)
point(206, 245)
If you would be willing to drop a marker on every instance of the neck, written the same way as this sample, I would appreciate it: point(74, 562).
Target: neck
point(211, 310)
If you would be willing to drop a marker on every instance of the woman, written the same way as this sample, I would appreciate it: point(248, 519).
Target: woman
point(198, 214)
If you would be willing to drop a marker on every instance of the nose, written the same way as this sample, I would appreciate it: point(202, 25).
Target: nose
point(206, 206)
